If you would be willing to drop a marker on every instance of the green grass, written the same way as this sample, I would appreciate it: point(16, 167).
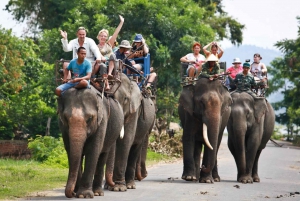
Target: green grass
point(19, 178)
point(154, 158)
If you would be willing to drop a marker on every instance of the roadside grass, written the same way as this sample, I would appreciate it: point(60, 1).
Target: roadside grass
point(19, 178)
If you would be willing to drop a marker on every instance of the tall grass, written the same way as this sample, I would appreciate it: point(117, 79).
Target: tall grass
point(22, 177)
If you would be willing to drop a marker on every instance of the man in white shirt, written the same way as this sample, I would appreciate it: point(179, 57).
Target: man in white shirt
point(92, 50)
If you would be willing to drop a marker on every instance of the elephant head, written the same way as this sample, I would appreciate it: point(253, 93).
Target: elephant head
point(82, 122)
point(244, 103)
point(206, 101)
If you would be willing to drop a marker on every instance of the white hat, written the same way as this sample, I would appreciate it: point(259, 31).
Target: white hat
point(236, 61)
point(212, 57)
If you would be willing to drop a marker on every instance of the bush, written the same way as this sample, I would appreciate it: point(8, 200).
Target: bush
point(49, 150)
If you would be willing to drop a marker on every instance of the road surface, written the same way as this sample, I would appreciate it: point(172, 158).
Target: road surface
point(279, 171)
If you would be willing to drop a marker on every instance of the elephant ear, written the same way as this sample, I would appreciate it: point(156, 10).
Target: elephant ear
point(186, 99)
point(260, 108)
point(135, 99)
point(60, 108)
point(227, 101)
point(100, 109)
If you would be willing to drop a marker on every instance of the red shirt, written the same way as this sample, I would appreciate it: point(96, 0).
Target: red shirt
point(234, 71)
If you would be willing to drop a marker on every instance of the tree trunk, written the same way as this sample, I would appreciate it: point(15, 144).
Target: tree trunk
point(47, 133)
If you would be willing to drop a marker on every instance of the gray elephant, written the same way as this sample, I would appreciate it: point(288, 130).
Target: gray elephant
point(204, 110)
point(250, 127)
point(90, 124)
point(139, 116)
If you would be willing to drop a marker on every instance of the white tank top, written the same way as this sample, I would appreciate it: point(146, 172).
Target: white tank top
point(256, 68)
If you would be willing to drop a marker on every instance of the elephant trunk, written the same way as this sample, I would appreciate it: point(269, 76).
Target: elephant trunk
point(205, 137)
point(77, 137)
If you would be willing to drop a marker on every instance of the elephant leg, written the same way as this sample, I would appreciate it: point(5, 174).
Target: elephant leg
point(110, 167)
point(141, 171)
point(255, 176)
point(206, 170)
point(189, 132)
point(92, 153)
point(122, 151)
point(252, 145)
point(134, 153)
point(99, 173)
point(197, 156)
point(232, 150)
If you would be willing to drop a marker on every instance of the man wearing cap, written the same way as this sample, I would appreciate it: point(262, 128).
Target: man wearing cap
point(233, 70)
point(120, 54)
point(245, 80)
point(210, 69)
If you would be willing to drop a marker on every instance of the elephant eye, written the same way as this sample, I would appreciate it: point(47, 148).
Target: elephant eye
point(89, 119)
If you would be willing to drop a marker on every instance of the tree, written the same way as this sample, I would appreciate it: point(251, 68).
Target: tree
point(21, 103)
point(169, 27)
point(285, 71)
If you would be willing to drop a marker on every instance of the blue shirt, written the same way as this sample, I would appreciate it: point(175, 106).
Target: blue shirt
point(79, 70)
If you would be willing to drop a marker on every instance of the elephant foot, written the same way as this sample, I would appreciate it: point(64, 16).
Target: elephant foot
point(119, 186)
point(216, 177)
point(189, 178)
point(245, 179)
point(98, 191)
point(206, 179)
point(130, 185)
point(85, 194)
point(255, 178)
point(138, 176)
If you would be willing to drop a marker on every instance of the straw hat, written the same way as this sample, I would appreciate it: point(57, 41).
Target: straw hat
point(212, 57)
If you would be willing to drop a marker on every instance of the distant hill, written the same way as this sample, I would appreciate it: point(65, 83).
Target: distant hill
point(247, 51)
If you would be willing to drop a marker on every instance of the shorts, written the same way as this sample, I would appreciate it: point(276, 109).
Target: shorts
point(69, 85)
point(191, 66)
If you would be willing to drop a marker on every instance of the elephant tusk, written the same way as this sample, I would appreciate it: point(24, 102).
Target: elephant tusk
point(122, 132)
point(205, 136)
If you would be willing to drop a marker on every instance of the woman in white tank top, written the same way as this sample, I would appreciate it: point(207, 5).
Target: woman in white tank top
point(258, 68)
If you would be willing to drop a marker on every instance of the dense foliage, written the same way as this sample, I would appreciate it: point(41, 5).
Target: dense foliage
point(286, 77)
point(168, 26)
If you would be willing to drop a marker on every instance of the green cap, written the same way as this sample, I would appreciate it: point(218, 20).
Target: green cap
point(247, 65)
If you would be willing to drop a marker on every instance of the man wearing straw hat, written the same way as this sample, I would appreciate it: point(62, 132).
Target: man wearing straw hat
point(210, 69)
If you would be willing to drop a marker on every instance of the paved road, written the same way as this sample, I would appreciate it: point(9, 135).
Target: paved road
point(279, 171)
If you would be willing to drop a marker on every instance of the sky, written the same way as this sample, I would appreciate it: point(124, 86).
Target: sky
point(267, 21)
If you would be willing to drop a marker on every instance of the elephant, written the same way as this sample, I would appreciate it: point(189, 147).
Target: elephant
point(250, 126)
point(139, 116)
point(204, 109)
point(90, 124)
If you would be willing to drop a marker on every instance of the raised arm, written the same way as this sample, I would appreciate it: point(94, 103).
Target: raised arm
point(221, 51)
point(67, 47)
point(206, 52)
point(115, 35)
point(145, 47)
